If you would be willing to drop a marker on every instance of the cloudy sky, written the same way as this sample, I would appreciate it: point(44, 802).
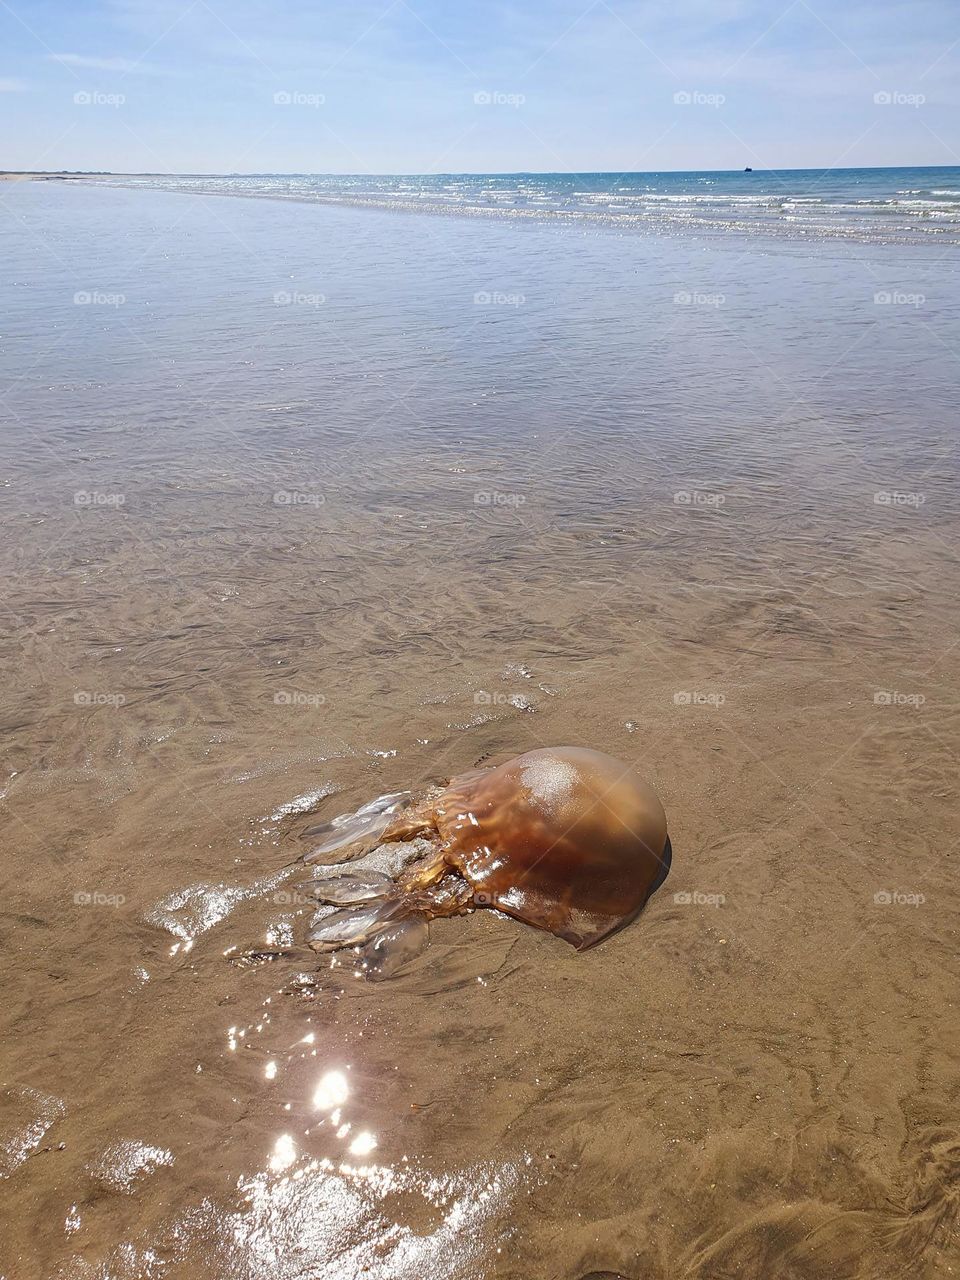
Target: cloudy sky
point(414, 86)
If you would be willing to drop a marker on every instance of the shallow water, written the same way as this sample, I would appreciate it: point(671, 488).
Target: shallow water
point(268, 556)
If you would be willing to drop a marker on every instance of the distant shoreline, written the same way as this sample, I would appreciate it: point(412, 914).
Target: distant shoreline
point(55, 177)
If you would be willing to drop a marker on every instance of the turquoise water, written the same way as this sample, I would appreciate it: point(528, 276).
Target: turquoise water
point(901, 205)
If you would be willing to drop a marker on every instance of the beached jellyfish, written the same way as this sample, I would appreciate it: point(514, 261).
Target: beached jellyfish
point(565, 839)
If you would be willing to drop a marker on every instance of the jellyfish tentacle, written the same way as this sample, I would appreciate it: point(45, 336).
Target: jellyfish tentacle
point(387, 820)
point(419, 820)
point(353, 835)
point(393, 947)
point(350, 841)
point(436, 887)
point(351, 889)
point(450, 896)
point(391, 803)
point(425, 872)
point(353, 926)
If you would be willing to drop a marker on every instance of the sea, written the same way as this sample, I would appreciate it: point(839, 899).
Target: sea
point(906, 204)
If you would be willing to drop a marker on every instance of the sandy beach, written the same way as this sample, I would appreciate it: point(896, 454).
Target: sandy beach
point(291, 521)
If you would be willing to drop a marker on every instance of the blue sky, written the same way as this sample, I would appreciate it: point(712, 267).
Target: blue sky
point(458, 85)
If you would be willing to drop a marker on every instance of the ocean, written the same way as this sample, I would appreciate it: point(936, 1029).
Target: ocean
point(897, 205)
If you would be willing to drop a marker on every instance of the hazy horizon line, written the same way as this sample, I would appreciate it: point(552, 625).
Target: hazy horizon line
point(446, 173)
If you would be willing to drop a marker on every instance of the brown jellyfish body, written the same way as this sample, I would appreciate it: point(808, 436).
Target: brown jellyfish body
point(566, 839)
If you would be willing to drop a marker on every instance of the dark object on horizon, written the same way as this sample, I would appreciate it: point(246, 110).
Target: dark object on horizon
point(748, 169)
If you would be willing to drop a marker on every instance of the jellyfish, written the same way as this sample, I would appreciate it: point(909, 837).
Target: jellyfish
point(565, 839)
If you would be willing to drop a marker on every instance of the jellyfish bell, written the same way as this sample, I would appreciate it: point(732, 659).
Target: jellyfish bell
point(566, 839)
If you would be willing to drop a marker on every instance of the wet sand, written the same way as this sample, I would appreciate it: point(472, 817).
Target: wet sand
point(267, 559)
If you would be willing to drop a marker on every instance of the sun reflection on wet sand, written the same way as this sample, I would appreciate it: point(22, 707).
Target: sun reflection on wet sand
point(333, 1217)
point(329, 1221)
point(332, 1091)
point(363, 1144)
point(284, 1153)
